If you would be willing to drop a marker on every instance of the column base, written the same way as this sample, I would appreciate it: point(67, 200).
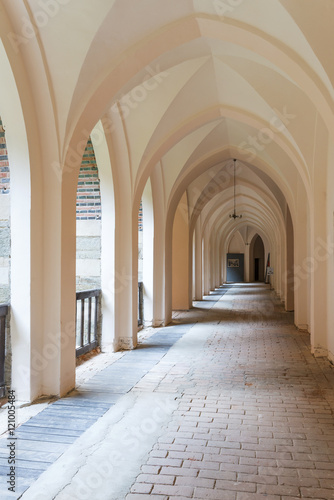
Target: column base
point(319, 352)
point(124, 344)
point(302, 328)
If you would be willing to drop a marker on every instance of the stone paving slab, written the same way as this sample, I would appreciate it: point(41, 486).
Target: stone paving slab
point(26, 430)
point(46, 436)
point(26, 464)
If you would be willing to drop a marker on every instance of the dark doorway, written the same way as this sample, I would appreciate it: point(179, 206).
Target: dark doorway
point(256, 269)
point(257, 261)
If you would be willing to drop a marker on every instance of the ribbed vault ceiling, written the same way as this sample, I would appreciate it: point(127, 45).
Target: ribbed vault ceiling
point(197, 83)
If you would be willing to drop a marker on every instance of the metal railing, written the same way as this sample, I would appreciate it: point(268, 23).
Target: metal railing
point(87, 321)
point(4, 308)
point(140, 303)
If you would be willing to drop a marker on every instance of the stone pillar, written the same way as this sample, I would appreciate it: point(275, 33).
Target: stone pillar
point(289, 293)
point(198, 260)
point(148, 253)
point(212, 260)
point(67, 319)
point(316, 266)
point(125, 283)
point(159, 246)
point(330, 249)
point(206, 262)
point(26, 244)
point(180, 265)
point(299, 279)
point(247, 262)
point(217, 261)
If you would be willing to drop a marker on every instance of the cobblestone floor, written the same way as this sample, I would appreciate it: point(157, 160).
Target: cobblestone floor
point(255, 408)
point(230, 404)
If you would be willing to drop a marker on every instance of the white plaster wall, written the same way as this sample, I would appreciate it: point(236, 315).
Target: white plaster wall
point(89, 228)
point(237, 244)
point(88, 255)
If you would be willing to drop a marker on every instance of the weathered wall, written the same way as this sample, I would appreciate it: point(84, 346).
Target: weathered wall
point(4, 219)
point(88, 270)
point(88, 274)
point(140, 243)
point(5, 247)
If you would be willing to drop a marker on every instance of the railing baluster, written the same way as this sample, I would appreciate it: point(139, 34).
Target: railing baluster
point(76, 323)
point(2, 356)
point(3, 313)
point(140, 303)
point(89, 319)
point(90, 341)
point(96, 318)
point(82, 325)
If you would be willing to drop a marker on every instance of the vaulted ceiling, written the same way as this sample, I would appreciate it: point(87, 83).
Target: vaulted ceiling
point(196, 83)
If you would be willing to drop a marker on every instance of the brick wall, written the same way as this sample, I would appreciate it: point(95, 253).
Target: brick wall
point(140, 217)
point(5, 247)
point(4, 165)
point(140, 242)
point(88, 193)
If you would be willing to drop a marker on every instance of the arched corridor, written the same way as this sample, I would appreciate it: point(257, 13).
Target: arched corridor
point(249, 154)
point(171, 180)
point(227, 402)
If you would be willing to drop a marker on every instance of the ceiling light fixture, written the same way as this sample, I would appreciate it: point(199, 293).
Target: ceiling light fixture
point(234, 215)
